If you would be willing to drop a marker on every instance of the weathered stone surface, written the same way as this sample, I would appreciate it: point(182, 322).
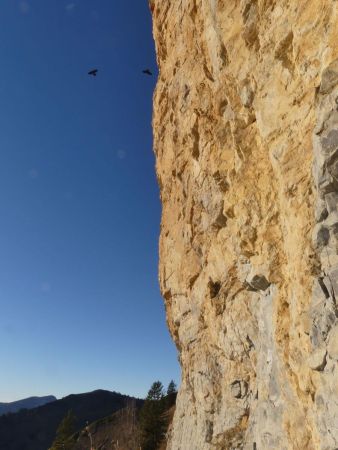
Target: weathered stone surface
point(331, 201)
point(257, 282)
point(321, 235)
point(333, 344)
point(331, 282)
point(245, 136)
point(321, 211)
point(329, 78)
point(317, 360)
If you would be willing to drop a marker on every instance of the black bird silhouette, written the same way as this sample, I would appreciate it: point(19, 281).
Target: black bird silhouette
point(93, 72)
point(147, 72)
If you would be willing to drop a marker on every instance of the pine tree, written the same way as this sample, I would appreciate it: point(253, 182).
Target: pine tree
point(172, 388)
point(152, 421)
point(63, 439)
point(170, 398)
point(156, 391)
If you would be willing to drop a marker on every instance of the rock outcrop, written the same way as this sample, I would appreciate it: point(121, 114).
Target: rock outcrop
point(246, 141)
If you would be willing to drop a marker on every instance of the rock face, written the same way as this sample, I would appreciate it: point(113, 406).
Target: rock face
point(246, 141)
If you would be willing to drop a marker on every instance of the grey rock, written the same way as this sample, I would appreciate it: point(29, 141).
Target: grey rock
point(332, 224)
point(329, 256)
point(257, 282)
point(331, 200)
point(329, 78)
point(315, 337)
point(332, 219)
point(332, 347)
point(209, 431)
point(330, 142)
point(321, 211)
point(326, 182)
point(333, 280)
point(323, 321)
point(333, 169)
point(239, 389)
point(317, 360)
point(320, 236)
point(325, 285)
point(321, 316)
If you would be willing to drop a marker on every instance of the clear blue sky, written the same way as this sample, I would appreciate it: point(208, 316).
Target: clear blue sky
point(80, 307)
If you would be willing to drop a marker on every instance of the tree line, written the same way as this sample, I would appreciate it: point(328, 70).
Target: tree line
point(153, 417)
point(153, 420)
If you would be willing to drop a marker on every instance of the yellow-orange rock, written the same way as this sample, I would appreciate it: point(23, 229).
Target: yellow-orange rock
point(246, 140)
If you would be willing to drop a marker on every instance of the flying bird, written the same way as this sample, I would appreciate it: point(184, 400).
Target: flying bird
point(147, 72)
point(93, 72)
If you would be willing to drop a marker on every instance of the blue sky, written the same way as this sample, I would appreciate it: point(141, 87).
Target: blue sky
point(80, 307)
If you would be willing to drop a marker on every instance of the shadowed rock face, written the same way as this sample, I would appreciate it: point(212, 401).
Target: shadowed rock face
point(246, 141)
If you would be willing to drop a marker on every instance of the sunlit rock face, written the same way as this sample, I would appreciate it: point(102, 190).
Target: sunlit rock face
point(246, 141)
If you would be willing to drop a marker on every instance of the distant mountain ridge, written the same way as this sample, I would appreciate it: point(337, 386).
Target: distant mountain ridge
point(26, 403)
point(34, 429)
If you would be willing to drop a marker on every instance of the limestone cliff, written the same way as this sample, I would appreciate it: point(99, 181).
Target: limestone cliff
point(246, 141)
